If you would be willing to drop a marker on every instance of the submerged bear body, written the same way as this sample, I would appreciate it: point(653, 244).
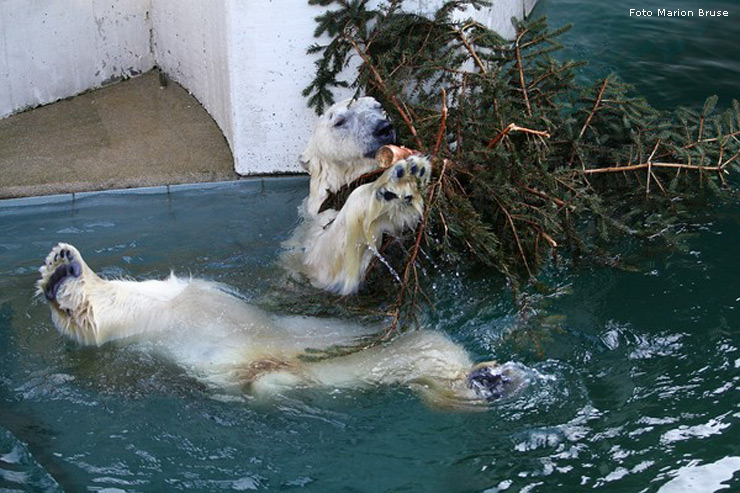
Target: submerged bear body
point(224, 341)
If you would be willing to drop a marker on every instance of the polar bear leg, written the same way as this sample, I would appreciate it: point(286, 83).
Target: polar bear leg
point(92, 310)
point(428, 362)
point(337, 253)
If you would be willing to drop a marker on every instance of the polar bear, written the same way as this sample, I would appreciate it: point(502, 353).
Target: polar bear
point(334, 248)
point(331, 248)
point(232, 345)
point(342, 146)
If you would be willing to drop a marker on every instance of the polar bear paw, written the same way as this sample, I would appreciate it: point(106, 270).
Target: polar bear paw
point(491, 381)
point(399, 192)
point(404, 180)
point(64, 284)
point(62, 264)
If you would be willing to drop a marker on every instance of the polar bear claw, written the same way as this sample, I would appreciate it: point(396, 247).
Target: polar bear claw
point(60, 266)
point(491, 381)
point(412, 173)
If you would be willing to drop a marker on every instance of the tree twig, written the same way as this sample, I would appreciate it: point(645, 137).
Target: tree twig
point(512, 127)
point(713, 139)
point(543, 195)
point(472, 52)
point(384, 87)
point(516, 236)
point(442, 123)
point(633, 167)
point(650, 168)
point(521, 71)
point(593, 110)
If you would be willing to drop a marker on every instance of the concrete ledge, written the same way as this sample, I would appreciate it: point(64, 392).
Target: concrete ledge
point(135, 133)
point(257, 183)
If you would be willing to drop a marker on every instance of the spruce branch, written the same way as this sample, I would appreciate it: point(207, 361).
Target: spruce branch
point(526, 159)
point(380, 84)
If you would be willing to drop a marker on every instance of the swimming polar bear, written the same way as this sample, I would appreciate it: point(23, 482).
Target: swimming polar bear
point(331, 248)
point(228, 343)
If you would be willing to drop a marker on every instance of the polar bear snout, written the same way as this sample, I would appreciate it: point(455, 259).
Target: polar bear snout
point(382, 133)
point(385, 133)
point(61, 274)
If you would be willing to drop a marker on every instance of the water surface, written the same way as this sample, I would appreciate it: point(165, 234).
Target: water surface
point(670, 60)
point(640, 365)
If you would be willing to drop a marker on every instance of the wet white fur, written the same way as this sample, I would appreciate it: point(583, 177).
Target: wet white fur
point(333, 249)
point(227, 342)
point(335, 156)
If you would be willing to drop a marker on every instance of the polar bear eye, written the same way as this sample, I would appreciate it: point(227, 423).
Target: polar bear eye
point(340, 122)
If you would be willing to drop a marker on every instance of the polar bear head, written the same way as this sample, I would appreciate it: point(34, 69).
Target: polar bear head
point(343, 145)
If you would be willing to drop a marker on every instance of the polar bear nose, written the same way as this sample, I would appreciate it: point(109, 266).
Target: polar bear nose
point(384, 132)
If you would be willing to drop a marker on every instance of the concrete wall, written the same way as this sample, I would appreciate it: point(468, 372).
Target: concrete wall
point(54, 49)
point(191, 45)
point(499, 16)
point(244, 60)
point(270, 68)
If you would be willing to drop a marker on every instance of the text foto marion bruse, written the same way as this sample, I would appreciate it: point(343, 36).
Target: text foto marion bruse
point(678, 13)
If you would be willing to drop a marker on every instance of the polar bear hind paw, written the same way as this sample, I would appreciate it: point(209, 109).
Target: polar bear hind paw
point(62, 264)
point(491, 381)
point(405, 179)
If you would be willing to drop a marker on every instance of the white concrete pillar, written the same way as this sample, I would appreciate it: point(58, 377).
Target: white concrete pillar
point(270, 68)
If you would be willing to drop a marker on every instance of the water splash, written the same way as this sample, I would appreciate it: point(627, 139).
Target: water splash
point(387, 264)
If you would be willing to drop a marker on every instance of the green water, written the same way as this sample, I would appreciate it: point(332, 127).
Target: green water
point(640, 366)
point(673, 61)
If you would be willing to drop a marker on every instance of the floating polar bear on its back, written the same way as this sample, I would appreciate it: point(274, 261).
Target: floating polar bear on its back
point(226, 342)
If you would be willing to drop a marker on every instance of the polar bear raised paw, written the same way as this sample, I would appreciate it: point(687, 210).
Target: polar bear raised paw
point(65, 283)
point(405, 180)
point(334, 252)
point(400, 189)
point(62, 264)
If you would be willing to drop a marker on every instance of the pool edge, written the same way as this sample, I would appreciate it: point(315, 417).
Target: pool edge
point(70, 197)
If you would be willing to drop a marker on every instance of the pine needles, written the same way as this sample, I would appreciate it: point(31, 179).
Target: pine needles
point(527, 162)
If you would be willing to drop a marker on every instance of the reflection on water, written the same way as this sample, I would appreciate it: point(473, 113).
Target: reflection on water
point(708, 477)
point(18, 469)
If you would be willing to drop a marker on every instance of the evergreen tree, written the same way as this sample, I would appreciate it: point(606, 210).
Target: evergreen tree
point(527, 162)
